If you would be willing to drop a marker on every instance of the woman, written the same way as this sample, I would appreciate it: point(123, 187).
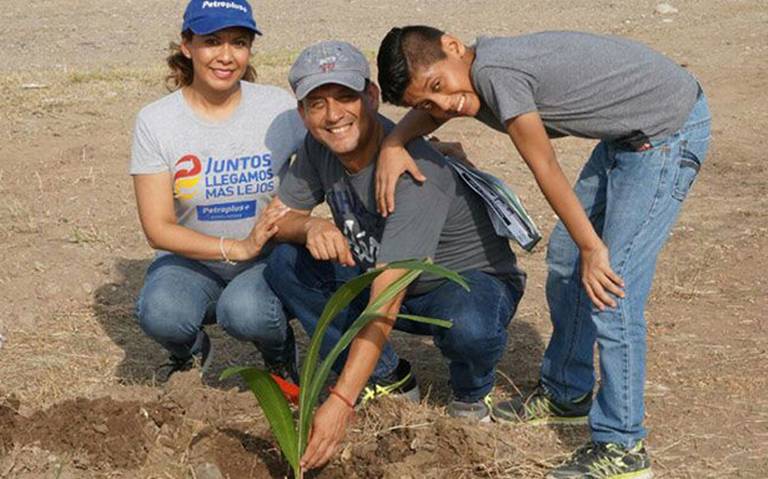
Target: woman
point(206, 160)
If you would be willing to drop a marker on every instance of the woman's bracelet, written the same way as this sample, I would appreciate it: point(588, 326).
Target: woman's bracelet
point(346, 401)
point(225, 258)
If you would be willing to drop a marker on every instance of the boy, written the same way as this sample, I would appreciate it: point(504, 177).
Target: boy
point(653, 123)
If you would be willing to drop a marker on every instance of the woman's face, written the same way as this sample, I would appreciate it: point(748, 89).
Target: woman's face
point(219, 59)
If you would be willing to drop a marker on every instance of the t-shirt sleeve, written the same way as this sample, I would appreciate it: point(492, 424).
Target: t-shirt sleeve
point(413, 230)
point(302, 188)
point(295, 132)
point(146, 155)
point(506, 92)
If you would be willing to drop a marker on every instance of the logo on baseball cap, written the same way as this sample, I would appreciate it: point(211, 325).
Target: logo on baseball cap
point(203, 17)
point(328, 62)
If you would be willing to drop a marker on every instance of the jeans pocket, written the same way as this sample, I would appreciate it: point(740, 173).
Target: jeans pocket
point(687, 171)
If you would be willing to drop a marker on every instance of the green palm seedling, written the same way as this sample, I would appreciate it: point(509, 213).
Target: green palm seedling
point(292, 435)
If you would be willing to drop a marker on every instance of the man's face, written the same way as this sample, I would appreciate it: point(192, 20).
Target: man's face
point(340, 118)
point(444, 89)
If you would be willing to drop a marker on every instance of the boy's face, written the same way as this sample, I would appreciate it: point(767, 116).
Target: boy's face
point(340, 118)
point(444, 88)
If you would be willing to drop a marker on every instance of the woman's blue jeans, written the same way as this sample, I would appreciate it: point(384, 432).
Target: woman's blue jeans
point(632, 199)
point(473, 346)
point(180, 295)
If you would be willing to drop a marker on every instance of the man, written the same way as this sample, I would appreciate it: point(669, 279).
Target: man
point(441, 219)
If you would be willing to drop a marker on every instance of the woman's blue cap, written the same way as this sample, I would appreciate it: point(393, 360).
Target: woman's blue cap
point(204, 17)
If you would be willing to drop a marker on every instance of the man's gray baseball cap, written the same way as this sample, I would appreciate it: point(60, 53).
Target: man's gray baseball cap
point(328, 62)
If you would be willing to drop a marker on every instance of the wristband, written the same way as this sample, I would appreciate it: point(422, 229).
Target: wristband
point(224, 252)
point(343, 399)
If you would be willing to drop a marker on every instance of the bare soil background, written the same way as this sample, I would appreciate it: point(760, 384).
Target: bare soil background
point(78, 398)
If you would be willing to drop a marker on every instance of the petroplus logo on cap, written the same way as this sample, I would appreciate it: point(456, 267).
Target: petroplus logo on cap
point(230, 5)
point(203, 17)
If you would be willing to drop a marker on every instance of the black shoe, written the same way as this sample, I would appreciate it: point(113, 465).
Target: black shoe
point(597, 460)
point(201, 359)
point(541, 408)
point(288, 370)
point(478, 411)
point(401, 383)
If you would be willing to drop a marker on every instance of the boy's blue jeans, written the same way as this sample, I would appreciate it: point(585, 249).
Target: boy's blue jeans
point(474, 345)
point(180, 295)
point(632, 199)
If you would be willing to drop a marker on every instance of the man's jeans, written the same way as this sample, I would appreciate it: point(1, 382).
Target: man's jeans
point(632, 200)
point(180, 295)
point(474, 345)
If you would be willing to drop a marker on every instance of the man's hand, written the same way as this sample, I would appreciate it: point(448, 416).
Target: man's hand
point(328, 430)
point(394, 160)
point(326, 243)
point(599, 279)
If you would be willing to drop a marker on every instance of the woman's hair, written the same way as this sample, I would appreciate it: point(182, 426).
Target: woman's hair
point(182, 73)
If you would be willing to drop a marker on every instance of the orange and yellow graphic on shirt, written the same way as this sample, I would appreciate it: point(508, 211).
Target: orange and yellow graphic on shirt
point(187, 177)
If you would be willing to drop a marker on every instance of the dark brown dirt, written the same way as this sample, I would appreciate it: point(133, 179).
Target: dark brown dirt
point(102, 435)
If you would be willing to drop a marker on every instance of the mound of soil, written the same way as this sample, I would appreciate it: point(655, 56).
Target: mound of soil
point(187, 427)
point(217, 433)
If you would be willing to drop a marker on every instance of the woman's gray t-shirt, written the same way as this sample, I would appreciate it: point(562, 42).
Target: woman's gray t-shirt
point(222, 174)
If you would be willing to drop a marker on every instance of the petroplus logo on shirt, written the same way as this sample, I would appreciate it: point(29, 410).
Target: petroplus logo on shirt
point(187, 177)
point(241, 176)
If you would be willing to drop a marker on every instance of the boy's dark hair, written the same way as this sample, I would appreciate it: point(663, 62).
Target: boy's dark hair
point(401, 50)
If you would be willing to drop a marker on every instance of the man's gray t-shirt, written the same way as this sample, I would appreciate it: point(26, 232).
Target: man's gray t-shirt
point(224, 173)
point(582, 84)
point(441, 218)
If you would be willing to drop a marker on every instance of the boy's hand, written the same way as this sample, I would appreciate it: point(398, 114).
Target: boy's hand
point(328, 429)
point(394, 160)
point(599, 279)
point(326, 243)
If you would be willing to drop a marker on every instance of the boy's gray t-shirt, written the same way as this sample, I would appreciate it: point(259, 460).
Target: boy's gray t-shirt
point(222, 174)
point(441, 218)
point(582, 84)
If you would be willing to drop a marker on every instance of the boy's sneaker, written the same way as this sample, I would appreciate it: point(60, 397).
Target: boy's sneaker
point(201, 359)
point(479, 411)
point(288, 370)
point(401, 383)
point(541, 408)
point(596, 460)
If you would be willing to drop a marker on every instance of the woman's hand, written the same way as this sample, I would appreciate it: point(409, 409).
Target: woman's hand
point(394, 160)
point(599, 279)
point(264, 229)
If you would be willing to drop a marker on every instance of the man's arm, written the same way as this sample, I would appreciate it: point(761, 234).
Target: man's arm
point(321, 237)
point(530, 138)
point(333, 417)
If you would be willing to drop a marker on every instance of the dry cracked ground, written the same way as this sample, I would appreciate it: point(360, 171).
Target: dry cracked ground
point(78, 398)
